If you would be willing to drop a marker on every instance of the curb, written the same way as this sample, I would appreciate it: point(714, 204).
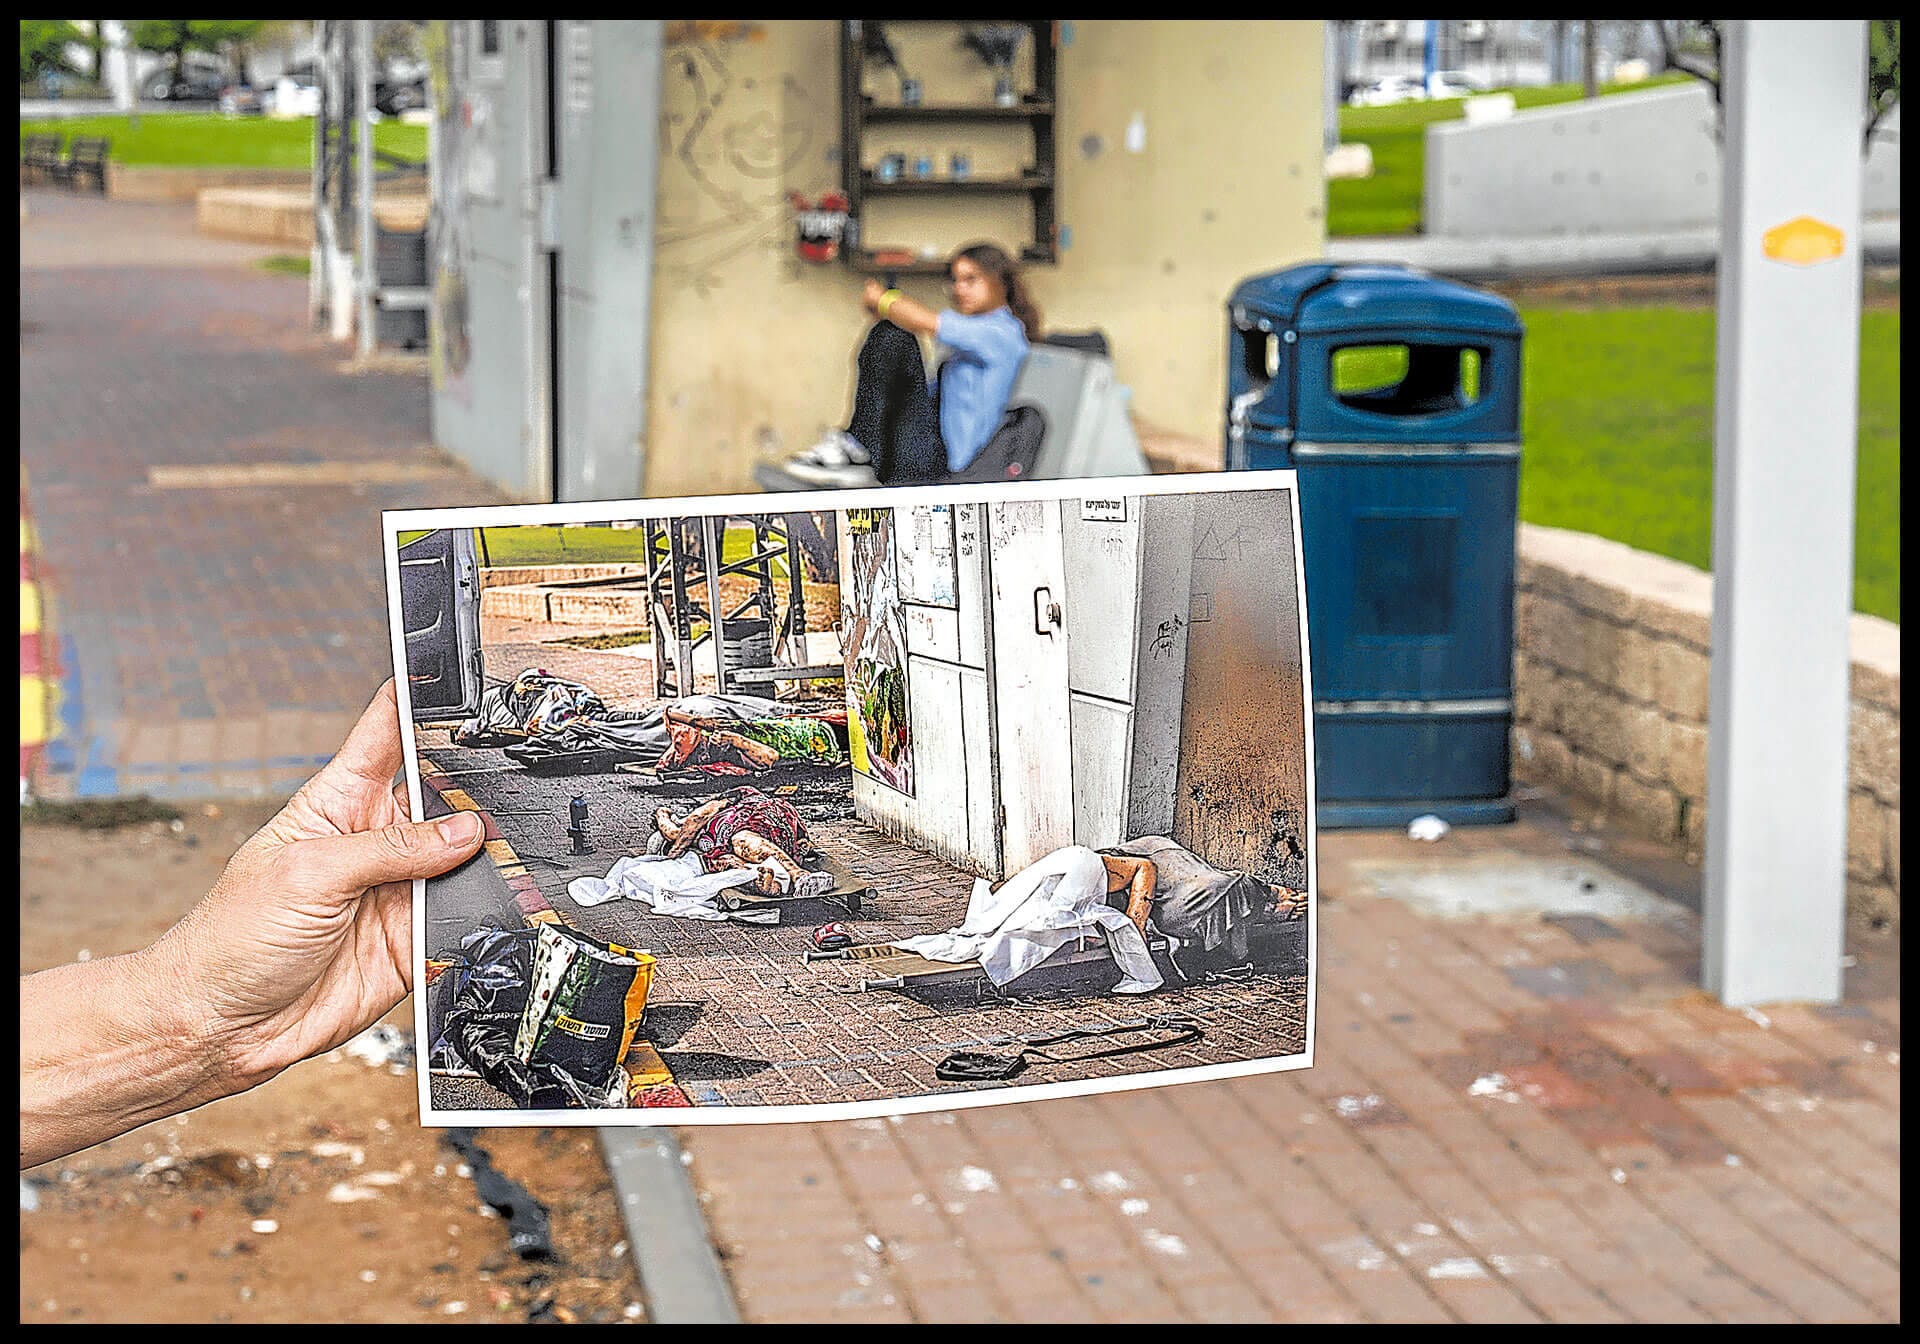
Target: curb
point(651, 1081)
point(680, 1275)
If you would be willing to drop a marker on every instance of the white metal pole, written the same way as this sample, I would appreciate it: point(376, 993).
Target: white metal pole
point(368, 269)
point(1330, 70)
point(1785, 406)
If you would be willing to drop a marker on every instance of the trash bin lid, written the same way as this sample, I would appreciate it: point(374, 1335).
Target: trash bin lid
point(1322, 297)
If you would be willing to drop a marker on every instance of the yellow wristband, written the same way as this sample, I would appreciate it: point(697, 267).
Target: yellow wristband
point(886, 302)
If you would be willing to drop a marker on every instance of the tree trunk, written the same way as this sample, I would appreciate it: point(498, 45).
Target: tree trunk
point(1590, 59)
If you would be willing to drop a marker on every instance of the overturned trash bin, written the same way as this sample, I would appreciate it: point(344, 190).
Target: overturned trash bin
point(1396, 396)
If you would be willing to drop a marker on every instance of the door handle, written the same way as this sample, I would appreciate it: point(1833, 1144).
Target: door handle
point(1046, 612)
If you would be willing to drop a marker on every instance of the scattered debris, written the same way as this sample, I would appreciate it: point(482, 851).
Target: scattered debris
point(1351, 1107)
point(383, 1046)
point(527, 1230)
point(1427, 827)
point(263, 1227)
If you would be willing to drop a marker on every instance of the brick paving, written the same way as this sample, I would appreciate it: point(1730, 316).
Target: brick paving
point(740, 1018)
point(1509, 1118)
point(209, 641)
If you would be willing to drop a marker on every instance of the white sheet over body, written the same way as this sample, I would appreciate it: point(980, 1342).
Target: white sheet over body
point(681, 886)
point(1036, 912)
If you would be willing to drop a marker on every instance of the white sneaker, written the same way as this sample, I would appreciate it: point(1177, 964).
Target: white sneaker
point(837, 459)
point(836, 449)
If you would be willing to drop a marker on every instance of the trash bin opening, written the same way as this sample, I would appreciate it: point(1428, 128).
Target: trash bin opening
point(1403, 379)
point(1260, 352)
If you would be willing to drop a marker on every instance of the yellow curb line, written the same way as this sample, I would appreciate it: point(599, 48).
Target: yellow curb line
point(645, 1068)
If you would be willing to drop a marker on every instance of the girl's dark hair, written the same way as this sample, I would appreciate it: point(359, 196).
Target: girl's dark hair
point(995, 262)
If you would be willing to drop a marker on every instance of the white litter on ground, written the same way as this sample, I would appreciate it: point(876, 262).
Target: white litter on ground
point(1459, 1267)
point(342, 1193)
point(382, 1047)
point(1359, 1252)
point(1427, 827)
point(975, 1180)
point(264, 1226)
point(1492, 1085)
point(1111, 1183)
point(1164, 1242)
point(1133, 1208)
point(1350, 1107)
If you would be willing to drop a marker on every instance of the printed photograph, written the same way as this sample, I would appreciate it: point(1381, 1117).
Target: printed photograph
point(907, 800)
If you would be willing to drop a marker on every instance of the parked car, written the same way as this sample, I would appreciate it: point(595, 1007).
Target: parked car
point(242, 100)
point(1388, 91)
point(1450, 84)
point(195, 84)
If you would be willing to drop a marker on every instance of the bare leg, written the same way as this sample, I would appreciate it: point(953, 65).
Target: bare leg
point(680, 834)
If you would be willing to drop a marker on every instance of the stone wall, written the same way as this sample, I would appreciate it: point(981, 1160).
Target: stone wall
point(1610, 700)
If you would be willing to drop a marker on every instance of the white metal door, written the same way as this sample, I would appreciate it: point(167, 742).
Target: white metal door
point(1031, 712)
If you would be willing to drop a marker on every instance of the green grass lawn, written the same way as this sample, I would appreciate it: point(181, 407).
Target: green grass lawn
point(209, 140)
point(1389, 201)
point(1618, 418)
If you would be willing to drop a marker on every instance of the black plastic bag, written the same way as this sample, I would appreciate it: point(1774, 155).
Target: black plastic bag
point(484, 1017)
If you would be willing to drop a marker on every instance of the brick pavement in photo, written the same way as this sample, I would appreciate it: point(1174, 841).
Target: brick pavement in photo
point(1510, 1118)
point(212, 638)
point(739, 1017)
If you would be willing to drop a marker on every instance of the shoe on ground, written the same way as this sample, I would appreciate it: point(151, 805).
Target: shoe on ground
point(838, 461)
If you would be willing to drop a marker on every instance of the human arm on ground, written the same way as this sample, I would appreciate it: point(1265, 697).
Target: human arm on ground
point(305, 941)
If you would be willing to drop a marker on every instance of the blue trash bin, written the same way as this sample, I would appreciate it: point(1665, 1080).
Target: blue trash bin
point(1396, 396)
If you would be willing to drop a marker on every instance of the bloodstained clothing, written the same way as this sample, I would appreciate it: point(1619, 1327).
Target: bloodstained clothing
point(748, 809)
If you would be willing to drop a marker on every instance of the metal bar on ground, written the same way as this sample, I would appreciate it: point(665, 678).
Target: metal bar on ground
point(680, 1276)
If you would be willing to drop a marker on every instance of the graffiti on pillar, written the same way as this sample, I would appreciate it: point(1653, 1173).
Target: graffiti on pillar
point(879, 724)
point(735, 132)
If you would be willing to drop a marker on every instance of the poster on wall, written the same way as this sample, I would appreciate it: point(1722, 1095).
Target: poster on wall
point(690, 770)
point(878, 722)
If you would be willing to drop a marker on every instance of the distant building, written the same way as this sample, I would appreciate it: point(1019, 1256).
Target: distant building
point(1491, 53)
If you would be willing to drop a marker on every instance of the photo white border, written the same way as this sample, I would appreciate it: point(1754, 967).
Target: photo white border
point(395, 521)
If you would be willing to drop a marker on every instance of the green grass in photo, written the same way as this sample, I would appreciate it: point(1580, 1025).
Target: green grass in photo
point(286, 263)
point(1390, 201)
point(210, 140)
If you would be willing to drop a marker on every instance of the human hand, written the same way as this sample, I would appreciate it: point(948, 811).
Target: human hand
point(870, 295)
point(307, 938)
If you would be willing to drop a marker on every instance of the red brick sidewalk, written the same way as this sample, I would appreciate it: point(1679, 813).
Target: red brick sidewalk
point(1511, 1119)
point(215, 634)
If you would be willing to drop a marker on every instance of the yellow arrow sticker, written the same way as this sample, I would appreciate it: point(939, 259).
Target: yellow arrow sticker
point(1804, 241)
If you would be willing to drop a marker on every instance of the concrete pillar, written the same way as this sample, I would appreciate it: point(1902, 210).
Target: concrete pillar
point(1785, 409)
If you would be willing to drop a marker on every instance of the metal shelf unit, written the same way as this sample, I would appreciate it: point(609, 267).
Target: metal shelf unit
point(1039, 181)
